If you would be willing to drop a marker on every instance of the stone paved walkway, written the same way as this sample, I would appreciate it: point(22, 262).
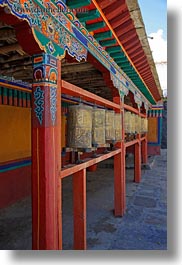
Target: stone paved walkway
point(143, 227)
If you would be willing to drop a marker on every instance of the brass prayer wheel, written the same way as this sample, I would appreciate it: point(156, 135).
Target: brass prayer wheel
point(79, 133)
point(118, 127)
point(126, 121)
point(110, 125)
point(99, 127)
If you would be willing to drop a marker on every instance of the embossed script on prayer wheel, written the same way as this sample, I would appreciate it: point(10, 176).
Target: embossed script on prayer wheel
point(118, 127)
point(126, 122)
point(98, 127)
point(79, 134)
point(138, 123)
point(110, 125)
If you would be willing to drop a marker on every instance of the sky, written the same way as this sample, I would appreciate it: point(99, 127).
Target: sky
point(154, 13)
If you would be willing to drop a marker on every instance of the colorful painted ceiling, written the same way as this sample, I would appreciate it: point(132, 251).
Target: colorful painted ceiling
point(119, 28)
point(114, 35)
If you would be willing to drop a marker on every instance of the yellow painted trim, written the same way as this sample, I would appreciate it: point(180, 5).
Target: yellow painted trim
point(108, 24)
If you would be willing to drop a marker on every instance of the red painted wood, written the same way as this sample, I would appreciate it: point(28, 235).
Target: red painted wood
point(130, 108)
point(10, 101)
point(118, 20)
point(124, 28)
point(45, 174)
point(137, 171)
point(79, 209)
point(144, 146)
point(119, 172)
point(24, 103)
point(5, 100)
point(114, 9)
point(127, 144)
point(58, 155)
point(72, 168)
point(105, 3)
point(73, 90)
point(15, 101)
point(14, 185)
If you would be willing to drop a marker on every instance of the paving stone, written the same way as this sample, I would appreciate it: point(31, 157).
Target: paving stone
point(144, 201)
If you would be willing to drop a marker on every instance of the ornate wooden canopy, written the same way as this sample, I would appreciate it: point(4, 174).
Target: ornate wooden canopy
point(113, 33)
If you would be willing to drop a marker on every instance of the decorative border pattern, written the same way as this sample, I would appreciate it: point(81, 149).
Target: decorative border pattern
point(39, 102)
point(53, 104)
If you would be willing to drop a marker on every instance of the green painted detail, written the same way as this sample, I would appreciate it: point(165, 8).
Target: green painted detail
point(90, 15)
point(15, 167)
point(15, 92)
point(5, 92)
point(106, 43)
point(28, 96)
point(77, 4)
point(103, 35)
point(95, 26)
point(117, 55)
point(10, 92)
point(120, 60)
point(56, 49)
point(113, 49)
point(23, 95)
point(19, 94)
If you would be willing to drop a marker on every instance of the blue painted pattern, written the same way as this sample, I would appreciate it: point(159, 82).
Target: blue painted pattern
point(39, 102)
point(53, 102)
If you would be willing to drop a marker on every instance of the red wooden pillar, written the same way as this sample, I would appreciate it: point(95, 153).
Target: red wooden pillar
point(137, 173)
point(46, 151)
point(144, 150)
point(119, 171)
point(79, 209)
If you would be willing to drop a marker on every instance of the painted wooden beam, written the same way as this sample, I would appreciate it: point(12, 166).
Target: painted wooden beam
point(106, 43)
point(73, 90)
point(113, 49)
point(103, 35)
point(90, 15)
point(77, 4)
point(95, 26)
point(88, 162)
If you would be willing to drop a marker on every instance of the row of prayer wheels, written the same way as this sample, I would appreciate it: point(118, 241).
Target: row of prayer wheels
point(134, 124)
point(91, 126)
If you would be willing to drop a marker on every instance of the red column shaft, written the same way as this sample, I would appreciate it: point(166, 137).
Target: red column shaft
point(46, 151)
point(144, 151)
point(79, 209)
point(119, 171)
point(137, 173)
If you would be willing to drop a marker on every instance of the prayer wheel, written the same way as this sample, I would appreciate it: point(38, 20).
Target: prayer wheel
point(118, 127)
point(110, 125)
point(132, 123)
point(145, 125)
point(99, 127)
point(137, 124)
point(79, 133)
point(126, 121)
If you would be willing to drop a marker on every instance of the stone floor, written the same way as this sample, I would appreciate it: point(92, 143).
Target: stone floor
point(143, 227)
